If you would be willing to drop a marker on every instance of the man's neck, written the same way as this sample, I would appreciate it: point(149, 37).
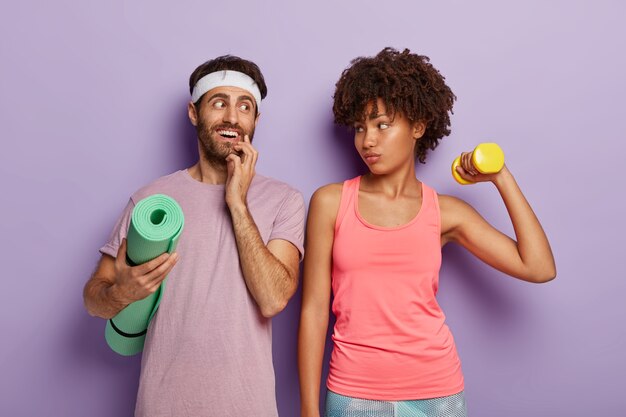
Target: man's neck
point(208, 172)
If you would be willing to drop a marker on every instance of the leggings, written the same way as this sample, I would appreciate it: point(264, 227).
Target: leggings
point(338, 405)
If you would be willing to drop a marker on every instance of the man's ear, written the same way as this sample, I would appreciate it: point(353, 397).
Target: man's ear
point(193, 113)
point(419, 128)
point(256, 119)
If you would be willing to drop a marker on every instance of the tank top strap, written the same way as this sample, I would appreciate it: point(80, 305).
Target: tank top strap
point(348, 193)
point(430, 204)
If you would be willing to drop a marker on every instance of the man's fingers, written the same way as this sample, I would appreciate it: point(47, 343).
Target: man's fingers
point(148, 284)
point(236, 162)
point(154, 284)
point(150, 266)
point(255, 156)
point(160, 278)
point(154, 287)
point(250, 155)
point(158, 274)
point(230, 166)
point(233, 158)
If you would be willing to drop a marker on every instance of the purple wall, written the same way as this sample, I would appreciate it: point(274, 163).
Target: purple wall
point(92, 106)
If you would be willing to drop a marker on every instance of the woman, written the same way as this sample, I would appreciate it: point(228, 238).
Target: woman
point(376, 241)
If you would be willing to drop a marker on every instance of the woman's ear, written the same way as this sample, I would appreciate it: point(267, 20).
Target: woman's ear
point(419, 128)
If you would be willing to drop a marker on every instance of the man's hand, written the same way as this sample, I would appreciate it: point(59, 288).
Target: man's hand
point(133, 283)
point(114, 285)
point(240, 173)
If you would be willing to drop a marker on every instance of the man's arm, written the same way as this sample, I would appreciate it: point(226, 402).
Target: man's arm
point(115, 284)
point(270, 272)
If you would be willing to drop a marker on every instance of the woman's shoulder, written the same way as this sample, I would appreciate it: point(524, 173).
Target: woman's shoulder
point(329, 194)
point(449, 201)
point(325, 203)
point(454, 211)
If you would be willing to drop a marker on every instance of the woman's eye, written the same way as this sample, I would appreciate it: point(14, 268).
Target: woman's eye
point(383, 126)
point(358, 129)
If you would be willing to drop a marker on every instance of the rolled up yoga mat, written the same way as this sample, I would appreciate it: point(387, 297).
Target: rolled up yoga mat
point(155, 227)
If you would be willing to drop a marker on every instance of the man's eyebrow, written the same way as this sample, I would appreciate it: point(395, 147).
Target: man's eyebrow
point(220, 95)
point(246, 97)
point(226, 97)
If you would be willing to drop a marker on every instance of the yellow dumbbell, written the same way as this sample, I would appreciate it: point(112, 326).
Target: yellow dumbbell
point(487, 158)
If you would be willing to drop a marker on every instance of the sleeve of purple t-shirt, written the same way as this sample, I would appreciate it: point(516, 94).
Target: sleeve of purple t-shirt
point(289, 223)
point(119, 231)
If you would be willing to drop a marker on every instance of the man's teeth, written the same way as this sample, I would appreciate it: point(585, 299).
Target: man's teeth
point(228, 133)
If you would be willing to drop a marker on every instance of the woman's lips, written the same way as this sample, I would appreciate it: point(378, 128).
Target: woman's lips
point(371, 158)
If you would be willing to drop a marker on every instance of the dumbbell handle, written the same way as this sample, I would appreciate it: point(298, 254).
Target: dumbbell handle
point(487, 158)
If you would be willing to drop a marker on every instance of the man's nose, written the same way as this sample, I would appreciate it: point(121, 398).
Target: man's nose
point(230, 115)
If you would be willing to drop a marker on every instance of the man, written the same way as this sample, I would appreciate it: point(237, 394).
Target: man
point(208, 348)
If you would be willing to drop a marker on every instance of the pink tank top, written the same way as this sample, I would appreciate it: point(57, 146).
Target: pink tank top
point(390, 340)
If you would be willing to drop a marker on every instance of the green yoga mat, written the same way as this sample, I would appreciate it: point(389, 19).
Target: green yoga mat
point(155, 227)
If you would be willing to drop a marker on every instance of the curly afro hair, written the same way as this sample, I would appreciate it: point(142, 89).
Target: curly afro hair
point(406, 83)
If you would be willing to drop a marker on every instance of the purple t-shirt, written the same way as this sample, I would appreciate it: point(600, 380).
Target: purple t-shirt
point(208, 348)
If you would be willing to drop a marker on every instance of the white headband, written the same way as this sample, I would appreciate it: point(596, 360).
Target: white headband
point(226, 78)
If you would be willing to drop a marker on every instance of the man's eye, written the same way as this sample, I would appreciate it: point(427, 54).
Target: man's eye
point(244, 107)
point(219, 104)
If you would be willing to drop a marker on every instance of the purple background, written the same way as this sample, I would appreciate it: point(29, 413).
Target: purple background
point(92, 106)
